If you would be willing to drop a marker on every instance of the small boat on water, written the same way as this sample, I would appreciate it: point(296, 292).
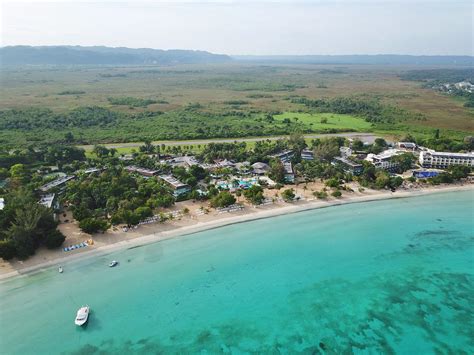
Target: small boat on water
point(60, 269)
point(82, 315)
point(113, 263)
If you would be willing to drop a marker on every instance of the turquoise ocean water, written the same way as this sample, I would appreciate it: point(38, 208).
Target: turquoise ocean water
point(393, 276)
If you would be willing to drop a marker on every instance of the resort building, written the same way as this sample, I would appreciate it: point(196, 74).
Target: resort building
point(243, 168)
point(59, 183)
point(348, 165)
point(126, 157)
point(224, 163)
point(260, 168)
point(286, 155)
point(92, 170)
point(141, 171)
point(345, 151)
point(49, 201)
point(307, 154)
point(184, 161)
point(384, 159)
point(177, 186)
point(289, 173)
point(443, 160)
point(406, 146)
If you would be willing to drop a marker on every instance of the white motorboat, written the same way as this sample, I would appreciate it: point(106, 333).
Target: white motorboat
point(113, 263)
point(60, 269)
point(82, 315)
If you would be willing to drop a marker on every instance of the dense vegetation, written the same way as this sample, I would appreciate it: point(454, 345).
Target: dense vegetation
point(223, 199)
point(437, 78)
point(94, 124)
point(260, 152)
point(441, 144)
point(71, 92)
point(439, 75)
point(115, 193)
point(25, 225)
point(131, 101)
point(371, 109)
point(225, 101)
point(97, 124)
point(39, 119)
point(469, 100)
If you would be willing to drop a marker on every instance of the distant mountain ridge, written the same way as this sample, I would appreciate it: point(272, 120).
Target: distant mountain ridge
point(382, 59)
point(101, 55)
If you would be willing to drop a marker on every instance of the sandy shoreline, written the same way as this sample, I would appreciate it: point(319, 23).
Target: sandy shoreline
point(250, 214)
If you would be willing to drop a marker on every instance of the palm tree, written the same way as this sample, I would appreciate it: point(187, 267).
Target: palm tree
point(27, 219)
point(24, 230)
point(147, 146)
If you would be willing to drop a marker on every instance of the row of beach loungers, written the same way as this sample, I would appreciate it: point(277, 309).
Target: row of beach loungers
point(125, 229)
point(231, 208)
point(77, 246)
point(149, 220)
point(154, 219)
point(176, 214)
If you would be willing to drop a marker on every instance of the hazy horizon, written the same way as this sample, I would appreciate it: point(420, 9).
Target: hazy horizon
point(260, 28)
point(247, 55)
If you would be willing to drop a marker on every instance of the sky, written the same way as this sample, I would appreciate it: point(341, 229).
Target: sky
point(260, 27)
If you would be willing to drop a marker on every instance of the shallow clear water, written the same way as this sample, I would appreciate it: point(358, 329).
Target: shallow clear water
point(379, 277)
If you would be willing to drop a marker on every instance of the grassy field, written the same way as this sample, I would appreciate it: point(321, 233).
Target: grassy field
point(227, 100)
point(322, 121)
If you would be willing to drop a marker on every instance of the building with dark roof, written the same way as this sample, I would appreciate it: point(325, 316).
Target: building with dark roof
point(59, 183)
point(286, 155)
point(177, 186)
point(289, 173)
point(141, 171)
point(307, 154)
point(348, 165)
point(260, 168)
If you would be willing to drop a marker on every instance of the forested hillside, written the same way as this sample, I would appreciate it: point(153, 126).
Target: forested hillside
point(73, 55)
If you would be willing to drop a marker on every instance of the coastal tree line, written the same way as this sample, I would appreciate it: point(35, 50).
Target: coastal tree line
point(114, 196)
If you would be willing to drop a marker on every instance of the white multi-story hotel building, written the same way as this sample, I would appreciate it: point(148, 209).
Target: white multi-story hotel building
point(384, 159)
point(442, 160)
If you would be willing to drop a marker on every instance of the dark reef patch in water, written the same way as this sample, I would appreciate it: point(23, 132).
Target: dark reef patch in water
point(431, 240)
point(435, 233)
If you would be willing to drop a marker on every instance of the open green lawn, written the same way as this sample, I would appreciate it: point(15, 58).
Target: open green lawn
point(333, 120)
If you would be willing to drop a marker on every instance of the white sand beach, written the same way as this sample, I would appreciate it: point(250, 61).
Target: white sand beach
point(194, 222)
